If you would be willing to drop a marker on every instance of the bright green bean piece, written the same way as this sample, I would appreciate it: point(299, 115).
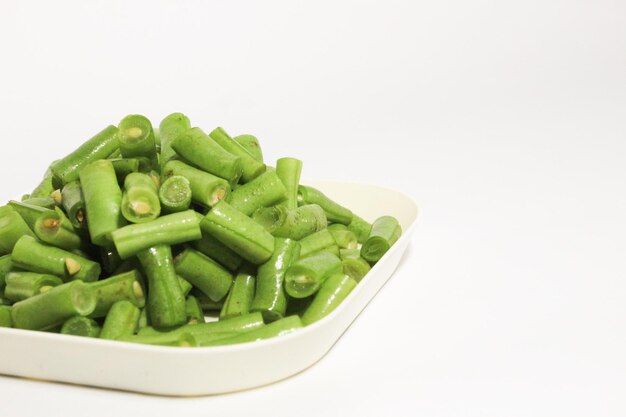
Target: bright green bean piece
point(5, 316)
point(103, 199)
point(12, 229)
point(316, 242)
point(164, 339)
point(99, 147)
point(385, 232)
point(251, 168)
point(175, 194)
point(263, 191)
point(241, 294)
point(30, 213)
point(124, 167)
point(239, 233)
point(5, 267)
point(204, 152)
point(74, 204)
point(294, 224)
point(81, 326)
point(136, 138)
point(144, 320)
point(217, 251)
point(121, 320)
point(54, 228)
point(167, 230)
point(251, 144)
point(166, 302)
point(270, 297)
point(333, 249)
point(31, 255)
point(305, 277)
point(360, 228)
point(349, 254)
point(206, 303)
point(203, 273)
point(23, 285)
point(239, 324)
point(169, 129)
point(289, 171)
point(123, 287)
point(332, 293)
point(210, 338)
point(345, 239)
point(52, 308)
point(278, 328)
point(206, 189)
point(140, 201)
point(193, 310)
point(356, 268)
point(334, 212)
point(45, 202)
point(185, 286)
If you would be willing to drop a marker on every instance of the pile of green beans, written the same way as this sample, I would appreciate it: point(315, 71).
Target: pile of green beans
point(176, 237)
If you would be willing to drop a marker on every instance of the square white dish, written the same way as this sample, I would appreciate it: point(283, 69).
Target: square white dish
point(214, 370)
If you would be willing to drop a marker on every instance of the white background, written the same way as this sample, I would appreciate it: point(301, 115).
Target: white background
point(505, 120)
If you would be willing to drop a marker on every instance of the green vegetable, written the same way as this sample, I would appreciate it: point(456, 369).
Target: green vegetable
point(121, 320)
point(136, 139)
point(385, 232)
point(5, 316)
point(241, 294)
point(289, 171)
point(140, 201)
point(251, 168)
point(175, 194)
point(250, 144)
point(193, 309)
point(356, 268)
point(345, 239)
point(281, 327)
point(334, 290)
point(217, 251)
point(54, 228)
point(294, 224)
point(206, 189)
point(263, 191)
point(239, 324)
point(23, 285)
point(81, 326)
point(12, 228)
point(305, 277)
point(74, 204)
point(123, 287)
point(169, 129)
point(124, 167)
point(203, 273)
point(360, 228)
point(316, 242)
point(335, 213)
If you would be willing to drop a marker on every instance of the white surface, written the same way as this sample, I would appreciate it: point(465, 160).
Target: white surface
point(505, 120)
point(203, 371)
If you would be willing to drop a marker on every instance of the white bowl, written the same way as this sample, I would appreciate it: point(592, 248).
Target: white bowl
point(213, 370)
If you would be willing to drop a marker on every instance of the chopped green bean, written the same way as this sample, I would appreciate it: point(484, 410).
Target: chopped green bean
point(168, 230)
point(5, 267)
point(316, 242)
point(305, 277)
point(45, 202)
point(12, 229)
point(203, 273)
point(206, 189)
point(81, 326)
point(52, 308)
point(217, 251)
point(169, 129)
point(74, 204)
point(140, 201)
point(193, 309)
point(54, 228)
point(239, 233)
point(349, 254)
point(294, 224)
point(121, 320)
point(31, 255)
point(279, 328)
point(100, 146)
point(251, 168)
point(166, 302)
point(175, 194)
point(251, 144)
point(164, 339)
point(239, 324)
point(241, 294)
point(263, 191)
point(334, 212)
point(30, 213)
point(360, 228)
point(385, 232)
point(205, 153)
point(126, 286)
point(5, 316)
point(345, 239)
point(136, 138)
point(356, 268)
point(289, 171)
point(23, 285)
point(334, 290)
point(207, 304)
point(124, 167)
point(270, 297)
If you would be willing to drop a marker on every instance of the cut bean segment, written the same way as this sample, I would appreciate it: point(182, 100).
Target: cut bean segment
point(121, 320)
point(23, 285)
point(126, 286)
point(305, 277)
point(5, 267)
point(206, 189)
point(203, 273)
point(385, 232)
point(175, 194)
point(124, 167)
point(12, 229)
point(316, 242)
point(217, 251)
point(356, 268)
point(74, 204)
point(166, 302)
point(169, 129)
point(240, 295)
point(29, 212)
point(263, 191)
point(251, 144)
point(360, 228)
point(334, 290)
point(289, 171)
point(31, 255)
point(251, 168)
point(205, 153)
point(81, 326)
point(294, 224)
point(164, 339)
point(140, 201)
point(103, 200)
point(345, 239)
point(194, 311)
point(167, 230)
point(279, 328)
point(99, 147)
point(54, 307)
point(136, 138)
point(53, 227)
point(270, 299)
point(239, 324)
point(334, 212)
point(5, 316)
point(239, 233)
